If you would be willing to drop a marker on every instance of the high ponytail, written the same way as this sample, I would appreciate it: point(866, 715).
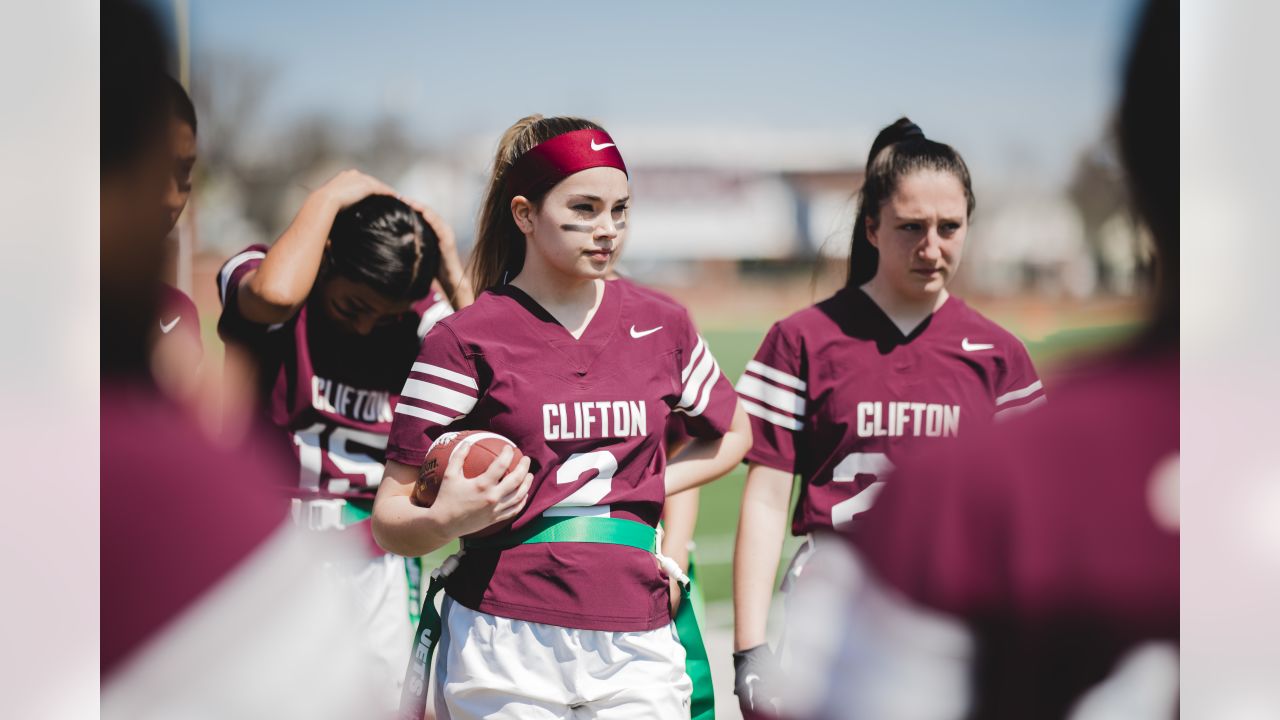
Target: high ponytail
point(899, 150)
point(500, 245)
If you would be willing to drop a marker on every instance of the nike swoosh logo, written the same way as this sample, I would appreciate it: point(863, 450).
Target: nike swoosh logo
point(642, 333)
point(597, 148)
point(165, 327)
point(750, 681)
point(970, 347)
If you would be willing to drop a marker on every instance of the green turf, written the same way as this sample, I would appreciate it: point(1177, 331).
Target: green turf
point(1077, 341)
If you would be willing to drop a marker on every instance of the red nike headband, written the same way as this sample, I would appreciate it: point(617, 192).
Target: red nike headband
point(546, 164)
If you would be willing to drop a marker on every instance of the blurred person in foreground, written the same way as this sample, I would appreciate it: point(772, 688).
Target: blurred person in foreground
point(208, 598)
point(1033, 573)
point(178, 351)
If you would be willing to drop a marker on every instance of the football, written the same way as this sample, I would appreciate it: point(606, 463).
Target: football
point(485, 448)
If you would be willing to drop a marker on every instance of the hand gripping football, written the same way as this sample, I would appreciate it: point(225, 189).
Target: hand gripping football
point(485, 448)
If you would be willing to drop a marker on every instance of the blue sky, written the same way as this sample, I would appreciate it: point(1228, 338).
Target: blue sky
point(1009, 83)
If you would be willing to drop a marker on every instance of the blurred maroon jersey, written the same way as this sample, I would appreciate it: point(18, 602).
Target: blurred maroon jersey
point(590, 414)
point(178, 315)
point(1054, 542)
point(210, 598)
point(837, 394)
point(331, 391)
point(178, 513)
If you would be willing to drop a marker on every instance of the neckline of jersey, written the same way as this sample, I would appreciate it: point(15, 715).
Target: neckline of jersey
point(536, 310)
point(920, 329)
point(598, 333)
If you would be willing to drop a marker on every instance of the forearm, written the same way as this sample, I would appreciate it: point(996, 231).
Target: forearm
point(400, 526)
point(679, 517)
point(757, 551)
point(275, 291)
point(702, 461)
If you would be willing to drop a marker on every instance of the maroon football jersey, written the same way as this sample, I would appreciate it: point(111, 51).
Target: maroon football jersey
point(333, 392)
point(1055, 539)
point(178, 513)
point(837, 394)
point(590, 414)
point(178, 315)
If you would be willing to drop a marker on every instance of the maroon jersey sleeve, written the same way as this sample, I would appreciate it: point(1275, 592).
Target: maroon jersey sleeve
point(442, 387)
point(233, 325)
point(774, 394)
point(1018, 387)
point(707, 401)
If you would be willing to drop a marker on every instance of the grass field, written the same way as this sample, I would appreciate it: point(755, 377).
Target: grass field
point(718, 509)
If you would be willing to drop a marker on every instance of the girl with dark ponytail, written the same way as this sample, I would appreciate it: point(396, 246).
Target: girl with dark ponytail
point(907, 150)
point(333, 315)
point(841, 391)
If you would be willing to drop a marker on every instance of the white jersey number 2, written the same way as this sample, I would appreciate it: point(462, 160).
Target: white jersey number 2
point(586, 499)
point(851, 466)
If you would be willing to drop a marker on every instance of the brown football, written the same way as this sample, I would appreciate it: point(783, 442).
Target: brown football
point(485, 448)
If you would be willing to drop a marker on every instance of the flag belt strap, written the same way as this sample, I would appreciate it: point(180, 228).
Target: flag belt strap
point(609, 531)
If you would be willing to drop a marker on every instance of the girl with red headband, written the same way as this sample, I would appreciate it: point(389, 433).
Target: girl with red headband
point(565, 613)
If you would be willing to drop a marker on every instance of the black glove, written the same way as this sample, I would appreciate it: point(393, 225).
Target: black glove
point(756, 681)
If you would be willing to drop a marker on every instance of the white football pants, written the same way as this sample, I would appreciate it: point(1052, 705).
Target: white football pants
point(379, 588)
point(495, 667)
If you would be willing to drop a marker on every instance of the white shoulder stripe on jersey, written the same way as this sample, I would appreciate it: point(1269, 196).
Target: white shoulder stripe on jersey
point(695, 381)
point(777, 376)
point(776, 418)
point(694, 357)
point(418, 412)
point(224, 277)
point(781, 398)
point(438, 395)
point(707, 388)
point(429, 369)
point(433, 315)
point(1012, 412)
point(1018, 394)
